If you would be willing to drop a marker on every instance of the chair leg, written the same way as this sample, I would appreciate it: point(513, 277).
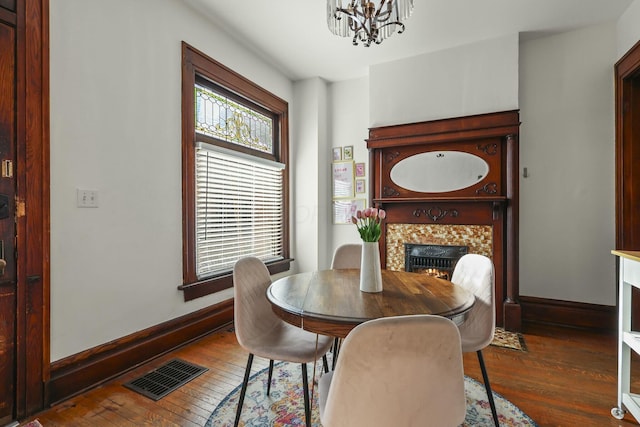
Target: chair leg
point(305, 387)
point(269, 376)
point(244, 389)
point(336, 342)
point(325, 364)
point(487, 386)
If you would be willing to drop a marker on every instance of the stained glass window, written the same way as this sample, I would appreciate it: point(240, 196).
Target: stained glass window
point(225, 119)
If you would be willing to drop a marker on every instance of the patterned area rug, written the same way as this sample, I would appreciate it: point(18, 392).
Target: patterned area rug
point(506, 339)
point(284, 407)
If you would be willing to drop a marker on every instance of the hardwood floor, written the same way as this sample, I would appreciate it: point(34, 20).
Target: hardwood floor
point(566, 378)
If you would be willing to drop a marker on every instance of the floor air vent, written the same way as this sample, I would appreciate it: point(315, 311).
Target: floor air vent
point(163, 380)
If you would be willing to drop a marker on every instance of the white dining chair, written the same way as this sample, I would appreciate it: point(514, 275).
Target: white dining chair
point(263, 334)
point(418, 380)
point(475, 273)
point(347, 256)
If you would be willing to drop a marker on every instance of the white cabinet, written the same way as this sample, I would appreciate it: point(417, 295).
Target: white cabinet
point(628, 339)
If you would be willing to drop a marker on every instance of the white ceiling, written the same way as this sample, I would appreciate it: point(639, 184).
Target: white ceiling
point(293, 35)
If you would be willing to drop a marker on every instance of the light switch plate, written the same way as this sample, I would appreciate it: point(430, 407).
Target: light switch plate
point(87, 198)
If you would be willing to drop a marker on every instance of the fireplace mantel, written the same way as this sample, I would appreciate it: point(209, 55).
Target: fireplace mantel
point(490, 202)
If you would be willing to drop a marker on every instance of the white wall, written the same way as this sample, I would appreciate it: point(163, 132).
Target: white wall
point(309, 160)
point(628, 28)
point(567, 144)
point(115, 127)
point(472, 79)
point(349, 125)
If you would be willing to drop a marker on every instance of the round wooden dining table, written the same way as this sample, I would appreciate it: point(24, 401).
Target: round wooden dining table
point(329, 302)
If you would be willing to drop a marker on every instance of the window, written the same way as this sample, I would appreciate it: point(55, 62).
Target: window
point(234, 172)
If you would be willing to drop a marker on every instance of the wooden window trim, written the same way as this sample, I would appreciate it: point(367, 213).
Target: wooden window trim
point(196, 63)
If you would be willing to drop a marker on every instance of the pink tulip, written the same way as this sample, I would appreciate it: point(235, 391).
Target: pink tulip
point(368, 222)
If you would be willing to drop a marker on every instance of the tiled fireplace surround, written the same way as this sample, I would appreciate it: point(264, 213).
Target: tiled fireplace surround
point(483, 216)
point(479, 239)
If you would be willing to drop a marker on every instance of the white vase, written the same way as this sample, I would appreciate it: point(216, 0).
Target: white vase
point(370, 274)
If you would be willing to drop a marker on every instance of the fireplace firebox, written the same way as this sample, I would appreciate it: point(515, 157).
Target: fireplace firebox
point(436, 260)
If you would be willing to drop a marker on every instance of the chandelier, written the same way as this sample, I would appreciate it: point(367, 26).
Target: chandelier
point(367, 21)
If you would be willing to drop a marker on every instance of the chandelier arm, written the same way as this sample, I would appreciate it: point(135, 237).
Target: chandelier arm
point(364, 34)
point(383, 16)
point(353, 17)
point(359, 35)
point(398, 23)
point(349, 13)
point(357, 24)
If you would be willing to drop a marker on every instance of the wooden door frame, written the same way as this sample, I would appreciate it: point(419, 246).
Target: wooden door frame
point(32, 206)
point(627, 87)
point(627, 68)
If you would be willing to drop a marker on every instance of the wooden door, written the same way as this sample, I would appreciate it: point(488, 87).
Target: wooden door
point(24, 207)
point(8, 282)
point(627, 74)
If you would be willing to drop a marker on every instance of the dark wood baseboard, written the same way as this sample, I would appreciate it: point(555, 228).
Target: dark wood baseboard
point(82, 371)
point(567, 313)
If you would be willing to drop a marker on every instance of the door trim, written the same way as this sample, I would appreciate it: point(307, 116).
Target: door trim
point(626, 68)
point(627, 154)
point(32, 206)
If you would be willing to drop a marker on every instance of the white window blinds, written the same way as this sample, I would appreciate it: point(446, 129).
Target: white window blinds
point(239, 210)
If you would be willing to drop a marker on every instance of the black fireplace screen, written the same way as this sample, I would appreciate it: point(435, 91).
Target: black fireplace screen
point(437, 260)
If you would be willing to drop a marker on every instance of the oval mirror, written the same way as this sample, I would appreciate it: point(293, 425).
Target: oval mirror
point(439, 171)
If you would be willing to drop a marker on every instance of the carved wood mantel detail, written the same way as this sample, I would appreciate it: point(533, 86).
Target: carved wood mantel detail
point(491, 201)
point(489, 149)
point(390, 192)
point(490, 188)
point(435, 213)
